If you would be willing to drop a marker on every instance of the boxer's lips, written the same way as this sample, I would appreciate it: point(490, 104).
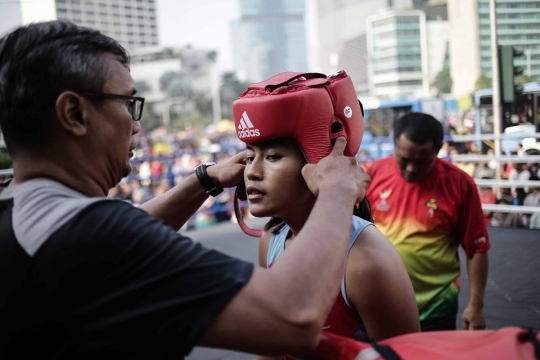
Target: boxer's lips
point(254, 193)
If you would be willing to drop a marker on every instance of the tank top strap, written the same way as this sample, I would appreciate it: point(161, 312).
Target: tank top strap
point(277, 245)
point(357, 226)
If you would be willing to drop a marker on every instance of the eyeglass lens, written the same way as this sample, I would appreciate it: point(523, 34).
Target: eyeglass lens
point(135, 109)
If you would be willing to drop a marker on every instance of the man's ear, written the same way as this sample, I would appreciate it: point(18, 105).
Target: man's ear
point(71, 112)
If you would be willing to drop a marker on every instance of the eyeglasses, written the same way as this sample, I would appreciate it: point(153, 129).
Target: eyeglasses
point(135, 106)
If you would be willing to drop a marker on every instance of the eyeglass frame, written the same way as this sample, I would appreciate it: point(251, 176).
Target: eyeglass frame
point(118, 96)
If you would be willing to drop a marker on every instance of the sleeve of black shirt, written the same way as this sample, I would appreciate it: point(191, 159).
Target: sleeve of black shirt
point(124, 282)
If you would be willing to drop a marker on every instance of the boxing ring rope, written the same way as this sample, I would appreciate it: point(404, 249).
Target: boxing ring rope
point(511, 208)
point(504, 158)
point(475, 137)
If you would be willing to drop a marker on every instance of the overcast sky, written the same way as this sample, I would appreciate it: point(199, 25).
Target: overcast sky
point(206, 24)
point(201, 23)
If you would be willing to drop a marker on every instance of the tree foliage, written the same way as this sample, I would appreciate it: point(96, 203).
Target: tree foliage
point(483, 82)
point(5, 159)
point(523, 79)
point(231, 87)
point(175, 84)
point(443, 82)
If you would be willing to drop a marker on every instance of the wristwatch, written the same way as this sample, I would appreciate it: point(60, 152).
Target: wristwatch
point(205, 180)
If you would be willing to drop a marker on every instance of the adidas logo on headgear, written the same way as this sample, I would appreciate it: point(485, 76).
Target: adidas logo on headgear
point(246, 128)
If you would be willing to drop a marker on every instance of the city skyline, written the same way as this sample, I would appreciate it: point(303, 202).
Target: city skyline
point(334, 33)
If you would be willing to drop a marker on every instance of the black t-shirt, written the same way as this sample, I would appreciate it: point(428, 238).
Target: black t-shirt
point(92, 278)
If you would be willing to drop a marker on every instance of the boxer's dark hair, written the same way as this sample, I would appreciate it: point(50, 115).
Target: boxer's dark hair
point(40, 61)
point(420, 128)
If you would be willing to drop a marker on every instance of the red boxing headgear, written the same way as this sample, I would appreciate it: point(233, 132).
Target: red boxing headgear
point(311, 108)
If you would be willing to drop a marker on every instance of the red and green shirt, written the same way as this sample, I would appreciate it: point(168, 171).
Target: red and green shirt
point(427, 221)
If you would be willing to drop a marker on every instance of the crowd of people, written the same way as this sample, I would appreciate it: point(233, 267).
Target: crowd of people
point(160, 162)
point(515, 195)
point(154, 174)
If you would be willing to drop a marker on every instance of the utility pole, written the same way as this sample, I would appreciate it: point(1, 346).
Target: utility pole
point(496, 85)
point(165, 112)
point(215, 93)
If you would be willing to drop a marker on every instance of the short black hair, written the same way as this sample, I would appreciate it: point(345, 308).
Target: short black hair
point(40, 61)
point(420, 128)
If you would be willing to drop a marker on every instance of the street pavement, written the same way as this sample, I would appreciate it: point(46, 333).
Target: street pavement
point(512, 293)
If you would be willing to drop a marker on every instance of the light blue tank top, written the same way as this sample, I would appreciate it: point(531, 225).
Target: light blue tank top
point(277, 245)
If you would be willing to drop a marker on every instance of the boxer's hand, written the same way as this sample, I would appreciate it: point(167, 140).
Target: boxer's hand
point(337, 171)
point(228, 173)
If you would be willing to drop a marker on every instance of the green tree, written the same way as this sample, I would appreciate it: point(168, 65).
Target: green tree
point(149, 119)
point(483, 82)
point(443, 82)
point(231, 87)
point(523, 79)
point(5, 159)
point(203, 104)
point(175, 84)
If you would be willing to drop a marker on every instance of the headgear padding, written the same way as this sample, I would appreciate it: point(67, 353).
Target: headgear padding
point(311, 108)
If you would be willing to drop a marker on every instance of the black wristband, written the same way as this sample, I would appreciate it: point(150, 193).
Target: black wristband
point(205, 180)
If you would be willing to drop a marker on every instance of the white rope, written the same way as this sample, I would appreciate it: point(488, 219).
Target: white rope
point(504, 158)
point(473, 137)
point(511, 208)
point(507, 183)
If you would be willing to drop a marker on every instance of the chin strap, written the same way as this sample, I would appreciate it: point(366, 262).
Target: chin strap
point(238, 212)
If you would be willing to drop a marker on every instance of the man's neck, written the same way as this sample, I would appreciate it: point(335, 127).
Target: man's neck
point(76, 176)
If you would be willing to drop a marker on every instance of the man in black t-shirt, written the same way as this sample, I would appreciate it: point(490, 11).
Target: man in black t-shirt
point(85, 277)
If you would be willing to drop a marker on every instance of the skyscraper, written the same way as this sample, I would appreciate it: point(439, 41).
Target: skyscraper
point(470, 38)
point(397, 43)
point(342, 34)
point(269, 38)
point(132, 22)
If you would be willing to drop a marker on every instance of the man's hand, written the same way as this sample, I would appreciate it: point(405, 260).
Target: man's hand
point(337, 171)
point(228, 173)
point(473, 318)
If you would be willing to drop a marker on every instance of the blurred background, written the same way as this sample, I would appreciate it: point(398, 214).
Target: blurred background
point(191, 58)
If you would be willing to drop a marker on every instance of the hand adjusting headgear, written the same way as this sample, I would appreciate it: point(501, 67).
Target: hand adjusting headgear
point(311, 108)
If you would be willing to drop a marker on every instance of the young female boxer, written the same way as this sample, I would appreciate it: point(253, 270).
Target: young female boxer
point(296, 123)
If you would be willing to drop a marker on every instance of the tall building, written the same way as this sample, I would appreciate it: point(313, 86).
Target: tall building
point(397, 44)
point(470, 38)
point(18, 12)
point(132, 22)
point(269, 38)
point(342, 34)
point(406, 53)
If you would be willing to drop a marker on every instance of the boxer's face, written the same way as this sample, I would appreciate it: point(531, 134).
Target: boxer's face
point(274, 182)
point(414, 161)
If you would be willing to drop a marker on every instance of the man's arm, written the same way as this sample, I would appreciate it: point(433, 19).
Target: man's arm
point(282, 310)
point(176, 206)
point(263, 252)
point(473, 316)
point(475, 241)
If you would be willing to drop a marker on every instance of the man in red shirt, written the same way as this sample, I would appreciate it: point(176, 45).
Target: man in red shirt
point(428, 207)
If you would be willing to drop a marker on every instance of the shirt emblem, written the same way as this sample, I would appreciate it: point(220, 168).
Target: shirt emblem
point(432, 206)
point(383, 206)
